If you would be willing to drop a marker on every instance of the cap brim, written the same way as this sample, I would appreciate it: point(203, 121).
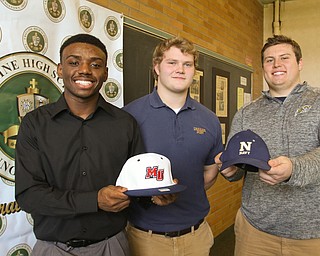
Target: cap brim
point(156, 191)
point(249, 161)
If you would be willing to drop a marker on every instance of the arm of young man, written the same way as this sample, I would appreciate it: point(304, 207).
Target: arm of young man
point(300, 171)
point(210, 174)
point(231, 173)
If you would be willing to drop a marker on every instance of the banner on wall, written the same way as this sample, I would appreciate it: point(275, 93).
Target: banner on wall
point(31, 33)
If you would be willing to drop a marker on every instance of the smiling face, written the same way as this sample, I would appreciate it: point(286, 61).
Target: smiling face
point(175, 71)
point(83, 69)
point(281, 69)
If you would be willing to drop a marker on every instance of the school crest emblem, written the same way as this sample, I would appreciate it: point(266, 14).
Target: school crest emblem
point(27, 81)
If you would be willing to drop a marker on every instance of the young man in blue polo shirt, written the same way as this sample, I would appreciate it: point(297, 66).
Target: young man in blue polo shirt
point(189, 134)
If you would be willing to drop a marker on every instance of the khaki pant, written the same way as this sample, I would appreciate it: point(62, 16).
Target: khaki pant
point(253, 242)
point(195, 243)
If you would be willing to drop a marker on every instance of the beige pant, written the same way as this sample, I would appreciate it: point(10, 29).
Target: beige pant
point(196, 243)
point(252, 242)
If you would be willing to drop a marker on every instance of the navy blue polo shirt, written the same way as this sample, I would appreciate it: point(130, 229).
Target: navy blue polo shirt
point(190, 139)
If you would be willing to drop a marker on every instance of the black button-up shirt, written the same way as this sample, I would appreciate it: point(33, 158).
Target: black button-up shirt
point(61, 163)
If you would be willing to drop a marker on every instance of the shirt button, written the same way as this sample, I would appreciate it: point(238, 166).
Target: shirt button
point(84, 173)
point(84, 148)
point(84, 230)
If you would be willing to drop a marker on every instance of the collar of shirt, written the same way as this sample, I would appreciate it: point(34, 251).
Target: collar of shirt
point(298, 89)
point(156, 102)
point(61, 105)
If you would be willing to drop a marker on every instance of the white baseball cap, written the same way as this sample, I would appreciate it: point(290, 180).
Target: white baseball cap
point(148, 174)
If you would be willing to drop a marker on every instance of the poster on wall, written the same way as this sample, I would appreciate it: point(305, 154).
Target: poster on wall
point(28, 79)
point(195, 88)
point(221, 96)
point(240, 97)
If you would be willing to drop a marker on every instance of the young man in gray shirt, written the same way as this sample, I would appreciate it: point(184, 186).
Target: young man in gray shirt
point(280, 211)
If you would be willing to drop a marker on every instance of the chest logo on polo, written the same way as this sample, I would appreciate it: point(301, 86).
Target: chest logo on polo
point(27, 80)
point(303, 109)
point(199, 130)
point(154, 173)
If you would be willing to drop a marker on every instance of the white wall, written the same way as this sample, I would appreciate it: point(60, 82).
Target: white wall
point(300, 20)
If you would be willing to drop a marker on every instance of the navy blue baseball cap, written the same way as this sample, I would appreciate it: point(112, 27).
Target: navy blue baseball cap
point(248, 151)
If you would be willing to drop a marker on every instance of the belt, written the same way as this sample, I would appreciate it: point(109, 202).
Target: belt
point(173, 233)
point(81, 242)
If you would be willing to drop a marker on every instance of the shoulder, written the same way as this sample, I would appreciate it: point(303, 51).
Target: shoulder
point(254, 104)
point(119, 113)
point(118, 117)
point(37, 118)
point(313, 90)
point(42, 111)
point(137, 106)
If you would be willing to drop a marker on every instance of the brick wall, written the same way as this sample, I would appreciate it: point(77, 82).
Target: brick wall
point(225, 199)
point(233, 29)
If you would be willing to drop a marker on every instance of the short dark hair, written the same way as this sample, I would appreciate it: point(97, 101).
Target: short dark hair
point(281, 39)
point(84, 38)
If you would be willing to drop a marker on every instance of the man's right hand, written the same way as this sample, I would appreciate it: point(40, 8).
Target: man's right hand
point(229, 171)
point(113, 199)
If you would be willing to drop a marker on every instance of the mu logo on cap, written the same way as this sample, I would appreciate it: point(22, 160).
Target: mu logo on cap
point(148, 174)
point(154, 172)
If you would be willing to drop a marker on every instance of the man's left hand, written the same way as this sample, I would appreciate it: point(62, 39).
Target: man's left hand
point(281, 170)
point(164, 199)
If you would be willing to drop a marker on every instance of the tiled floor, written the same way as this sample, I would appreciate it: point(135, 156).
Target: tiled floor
point(224, 243)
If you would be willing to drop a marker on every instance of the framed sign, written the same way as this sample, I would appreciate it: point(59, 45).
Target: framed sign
point(221, 96)
point(196, 87)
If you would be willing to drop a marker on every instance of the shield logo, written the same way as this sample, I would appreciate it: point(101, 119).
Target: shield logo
point(30, 101)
